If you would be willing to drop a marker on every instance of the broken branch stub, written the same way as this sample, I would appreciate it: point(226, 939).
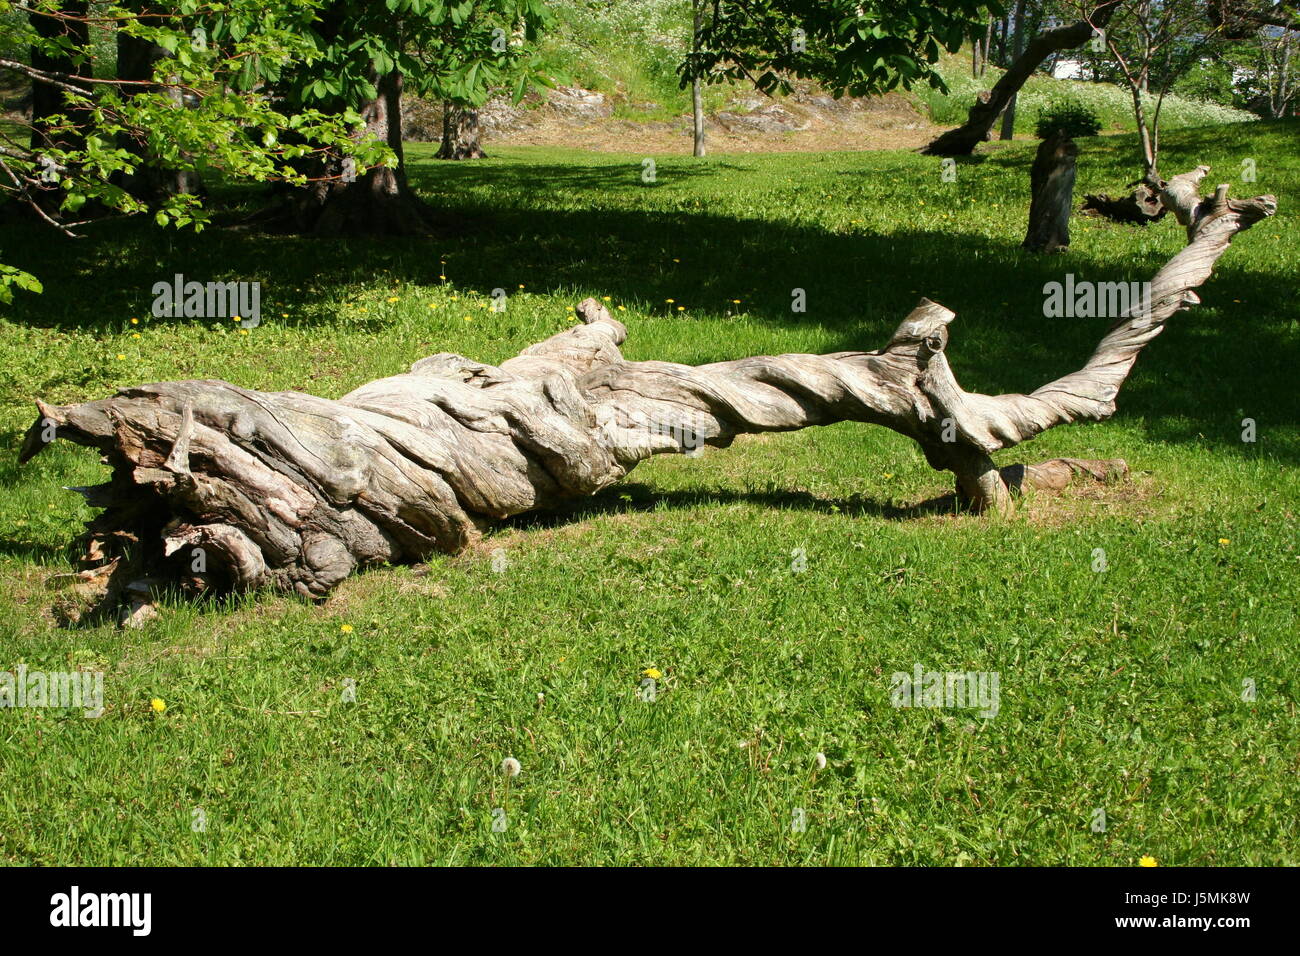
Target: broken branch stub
point(218, 487)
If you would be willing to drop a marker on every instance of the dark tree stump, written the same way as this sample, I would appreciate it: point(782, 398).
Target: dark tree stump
point(1052, 184)
point(1143, 205)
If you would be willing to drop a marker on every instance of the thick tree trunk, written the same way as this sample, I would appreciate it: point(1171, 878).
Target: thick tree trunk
point(460, 133)
point(217, 487)
point(963, 140)
point(1052, 187)
point(151, 182)
point(48, 100)
point(378, 203)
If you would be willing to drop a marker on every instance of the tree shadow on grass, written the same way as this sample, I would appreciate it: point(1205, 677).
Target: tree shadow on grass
point(637, 497)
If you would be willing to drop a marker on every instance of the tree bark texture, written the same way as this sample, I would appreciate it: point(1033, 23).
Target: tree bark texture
point(1051, 183)
point(460, 133)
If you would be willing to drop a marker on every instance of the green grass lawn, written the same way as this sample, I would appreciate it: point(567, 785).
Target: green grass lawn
point(1120, 690)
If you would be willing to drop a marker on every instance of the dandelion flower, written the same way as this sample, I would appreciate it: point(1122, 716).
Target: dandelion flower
point(1148, 861)
point(345, 628)
point(135, 321)
point(120, 356)
point(653, 673)
point(510, 767)
point(670, 301)
point(820, 760)
point(392, 298)
point(158, 704)
point(605, 297)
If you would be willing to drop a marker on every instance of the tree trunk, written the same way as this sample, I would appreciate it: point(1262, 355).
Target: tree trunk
point(378, 203)
point(1009, 114)
point(217, 487)
point(988, 106)
point(151, 182)
point(47, 98)
point(460, 133)
point(1052, 186)
point(697, 85)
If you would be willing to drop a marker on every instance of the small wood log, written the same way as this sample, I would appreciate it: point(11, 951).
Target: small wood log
point(215, 487)
point(1052, 188)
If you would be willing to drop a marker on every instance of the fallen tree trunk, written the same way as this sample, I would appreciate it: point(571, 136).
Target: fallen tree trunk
point(1140, 207)
point(217, 487)
point(990, 104)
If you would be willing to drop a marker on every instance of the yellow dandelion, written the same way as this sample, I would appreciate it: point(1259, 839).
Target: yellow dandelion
point(393, 298)
point(1148, 861)
point(622, 308)
point(158, 704)
point(234, 318)
point(670, 301)
point(135, 335)
point(345, 628)
point(653, 673)
point(605, 297)
point(135, 321)
point(681, 308)
point(120, 356)
point(1223, 541)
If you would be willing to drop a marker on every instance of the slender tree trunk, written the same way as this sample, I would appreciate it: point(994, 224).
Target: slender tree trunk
point(1009, 115)
point(697, 90)
point(460, 133)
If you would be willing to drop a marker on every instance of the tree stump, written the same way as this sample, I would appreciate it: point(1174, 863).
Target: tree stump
point(214, 487)
point(1140, 207)
point(1052, 187)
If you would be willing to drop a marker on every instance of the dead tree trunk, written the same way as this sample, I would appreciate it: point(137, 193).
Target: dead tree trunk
point(963, 140)
point(217, 487)
point(460, 133)
point(1051, 182)
point(1140, 207)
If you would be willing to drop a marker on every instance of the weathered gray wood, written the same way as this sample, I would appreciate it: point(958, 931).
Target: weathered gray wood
point(216, 486)
point(1051, 181)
